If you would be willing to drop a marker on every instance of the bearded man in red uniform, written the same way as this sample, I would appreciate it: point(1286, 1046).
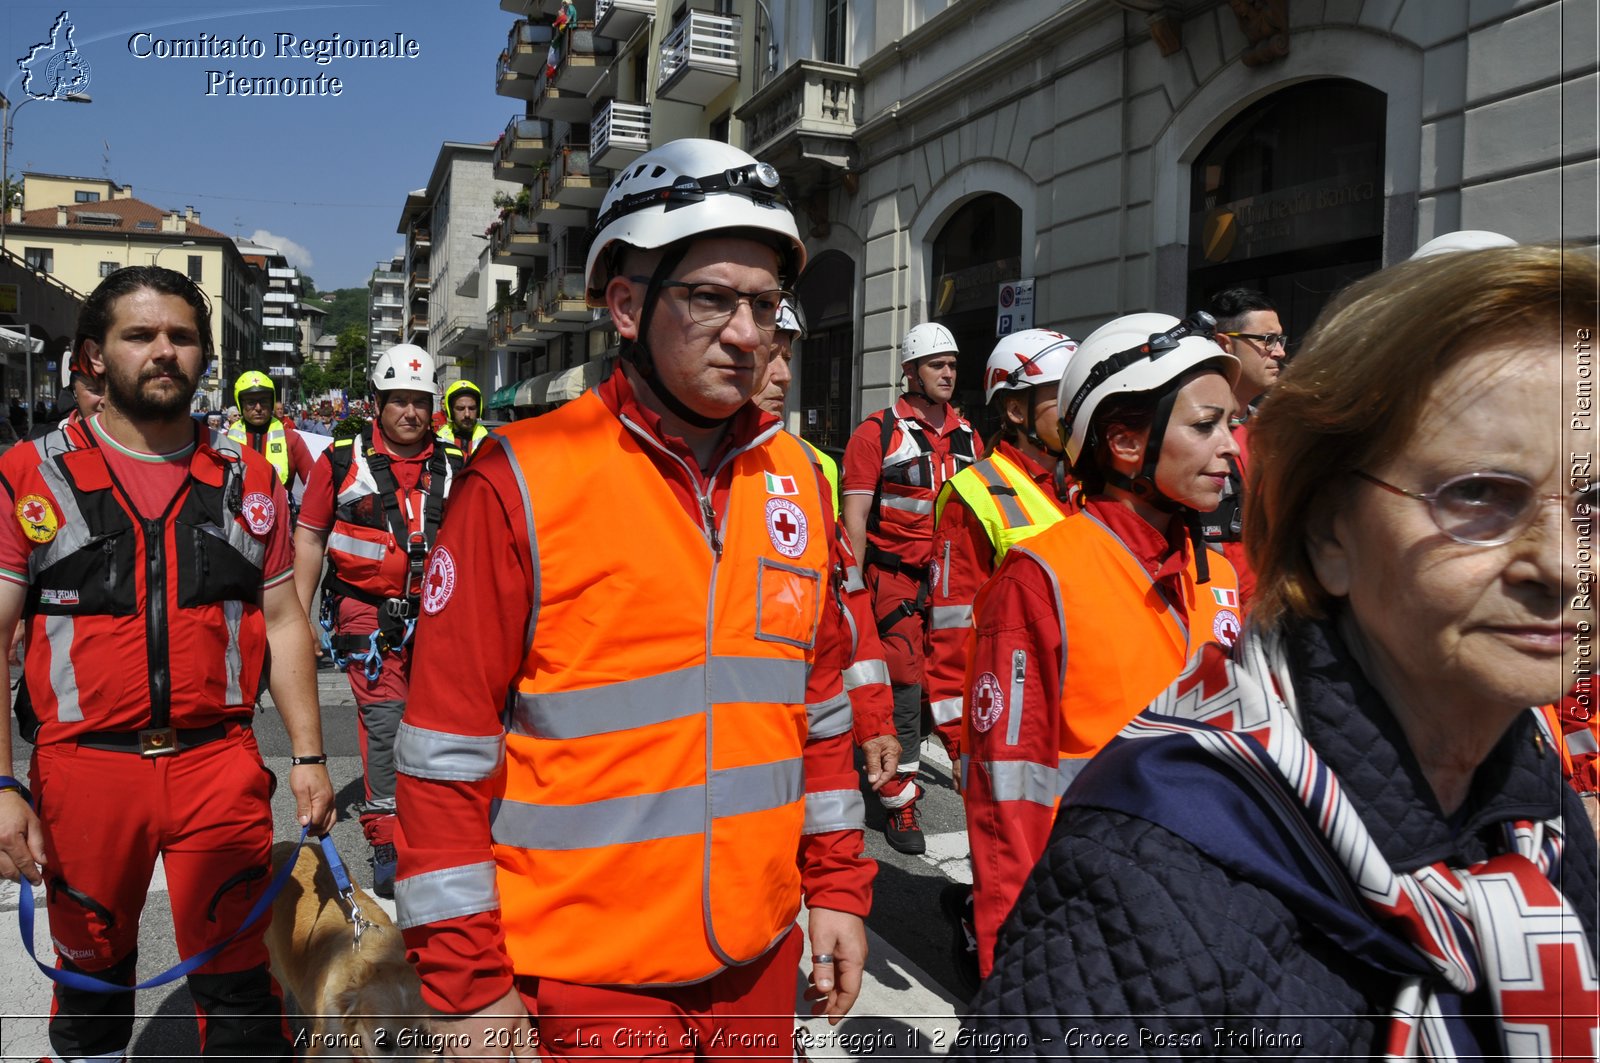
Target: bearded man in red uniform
point(150, 562)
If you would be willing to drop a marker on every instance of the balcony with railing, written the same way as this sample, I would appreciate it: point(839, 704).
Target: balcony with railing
point(422, 237)
point(518, 240)
point(619, 134)
point(522, 146)
point(560, 105)
point(573, 181)
point(528, 45)
point(619, 19)
point(700, 57)
point(561, 306)
point(808, 112)
point(421, 280)
point(584, 58)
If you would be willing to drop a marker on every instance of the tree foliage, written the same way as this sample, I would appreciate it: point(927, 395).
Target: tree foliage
point(347, 368)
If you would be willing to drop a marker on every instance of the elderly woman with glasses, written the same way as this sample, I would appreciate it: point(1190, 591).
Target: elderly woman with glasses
point(1348, 836)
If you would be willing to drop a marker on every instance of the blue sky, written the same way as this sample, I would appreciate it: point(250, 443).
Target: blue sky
point(322, 177)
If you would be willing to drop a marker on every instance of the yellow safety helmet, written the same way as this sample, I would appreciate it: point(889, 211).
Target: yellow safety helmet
point(462, 385)
point(254, 380)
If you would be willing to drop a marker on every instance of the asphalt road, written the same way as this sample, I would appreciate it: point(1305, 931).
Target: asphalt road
point(905, 1010)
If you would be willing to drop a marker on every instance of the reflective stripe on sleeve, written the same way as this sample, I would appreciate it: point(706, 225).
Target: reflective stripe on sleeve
point(435, 896)
point(658, 698)
point(865, 673)
point(945, 617)
point(427, 754)
point(853, 581)
point(825, 719)
point(1582, 742)
point(828, 810)
point(945, 710)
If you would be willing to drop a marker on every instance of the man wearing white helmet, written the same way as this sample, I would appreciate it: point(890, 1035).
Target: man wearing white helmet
point(615, 789)
point(373, 506)
point(894, 465)
point(865, 678)
point(1018, 490)
point(1088, 620)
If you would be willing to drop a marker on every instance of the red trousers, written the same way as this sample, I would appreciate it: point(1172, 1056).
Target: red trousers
point(743, 1013)
point(106, 815)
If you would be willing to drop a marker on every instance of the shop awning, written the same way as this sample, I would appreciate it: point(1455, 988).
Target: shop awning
point(573, 382)
point(531, 391)
point(504, 397)
point(13, 342)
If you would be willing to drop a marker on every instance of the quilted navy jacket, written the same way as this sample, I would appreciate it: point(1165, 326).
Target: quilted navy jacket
point(1129, 942)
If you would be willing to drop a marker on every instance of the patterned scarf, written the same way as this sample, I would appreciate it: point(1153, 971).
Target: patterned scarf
point(1501, 923)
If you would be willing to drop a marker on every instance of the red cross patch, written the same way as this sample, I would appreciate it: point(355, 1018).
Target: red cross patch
point(259, 512)
point(416, 366)
point(1226, 627)
point(786, 527)
point(440, 582)
point(988, 701)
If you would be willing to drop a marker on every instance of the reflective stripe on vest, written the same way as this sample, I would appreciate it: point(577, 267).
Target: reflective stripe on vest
point(1119, 652)
point(652, 745)
point(479, 434)
point(275, 448)
point(1005, 500)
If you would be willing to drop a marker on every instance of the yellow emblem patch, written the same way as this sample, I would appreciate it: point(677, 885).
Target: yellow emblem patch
point(38, 518)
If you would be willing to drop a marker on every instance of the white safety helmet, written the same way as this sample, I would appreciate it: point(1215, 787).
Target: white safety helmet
point(404, 367)
point(1463, 240)
point(688, 188)
point(1028, 359)
point(925, 341)
point(791, 319)
point(1132, 354)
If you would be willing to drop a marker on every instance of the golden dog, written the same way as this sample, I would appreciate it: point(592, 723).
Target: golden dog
point(358, 1003)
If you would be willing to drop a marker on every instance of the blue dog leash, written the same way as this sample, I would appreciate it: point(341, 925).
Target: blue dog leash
point(89, 984)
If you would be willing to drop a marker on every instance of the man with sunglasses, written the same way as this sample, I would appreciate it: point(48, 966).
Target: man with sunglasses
point(614, 791)
point(1247, 328)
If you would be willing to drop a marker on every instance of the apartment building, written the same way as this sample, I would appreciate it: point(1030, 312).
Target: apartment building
point(598, 92)
point(386, 305)
point(280, 355)
point(1130, 156)
point(79, 230)
point(444, 224)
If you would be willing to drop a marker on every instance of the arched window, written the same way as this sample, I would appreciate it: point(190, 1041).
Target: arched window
point(1289, 198)
point(977, 250)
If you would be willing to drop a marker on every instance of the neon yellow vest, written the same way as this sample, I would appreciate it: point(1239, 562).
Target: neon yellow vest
point(277, 448)
point(829, 467)
point(448, 434)
point(1005, 500)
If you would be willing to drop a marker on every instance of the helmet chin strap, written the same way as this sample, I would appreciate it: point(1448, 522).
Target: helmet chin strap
point(637, 350)
point(1143, 485)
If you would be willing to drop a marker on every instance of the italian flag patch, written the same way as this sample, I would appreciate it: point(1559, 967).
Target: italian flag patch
point(781, 485)
point(1226, 597)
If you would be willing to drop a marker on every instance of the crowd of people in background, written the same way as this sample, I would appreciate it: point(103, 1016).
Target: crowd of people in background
point(1252, 666)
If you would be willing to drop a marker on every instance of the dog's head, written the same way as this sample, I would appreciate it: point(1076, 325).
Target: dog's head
point(383, 1012)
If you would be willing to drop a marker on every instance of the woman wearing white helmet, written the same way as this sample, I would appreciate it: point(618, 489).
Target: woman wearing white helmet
point(1018, 490)
point(1087, 621)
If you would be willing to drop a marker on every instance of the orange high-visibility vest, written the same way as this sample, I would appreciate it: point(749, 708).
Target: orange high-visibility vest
point(651, 810)
point(1124, 642)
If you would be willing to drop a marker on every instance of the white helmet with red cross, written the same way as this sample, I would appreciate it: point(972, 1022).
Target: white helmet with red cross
point(1027, 359)
point(404, 367)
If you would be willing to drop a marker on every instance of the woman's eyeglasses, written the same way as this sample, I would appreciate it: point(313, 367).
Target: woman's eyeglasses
point(1483, 508)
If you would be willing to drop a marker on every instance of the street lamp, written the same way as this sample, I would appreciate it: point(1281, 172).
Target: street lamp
point(155, 259)
point(5, 150)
